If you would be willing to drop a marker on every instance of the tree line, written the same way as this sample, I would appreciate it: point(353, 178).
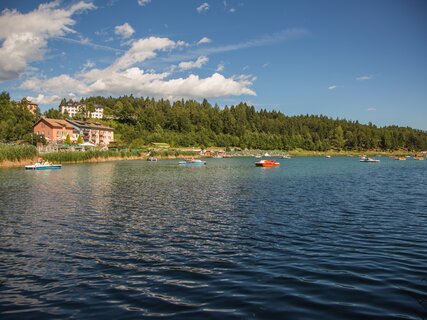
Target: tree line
point(141, 121)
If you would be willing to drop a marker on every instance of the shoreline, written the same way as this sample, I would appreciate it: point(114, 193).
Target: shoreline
point(295, 153)
point(23, 163)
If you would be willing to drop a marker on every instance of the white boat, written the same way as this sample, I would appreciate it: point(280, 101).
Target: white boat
point(192, 162)
point(43, 166)
point(217, 157)
point(286, 157)
point(267, 154)
point(367, 159)
point(328, 157)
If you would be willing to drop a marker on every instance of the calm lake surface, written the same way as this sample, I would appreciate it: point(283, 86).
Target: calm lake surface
point(315, 238)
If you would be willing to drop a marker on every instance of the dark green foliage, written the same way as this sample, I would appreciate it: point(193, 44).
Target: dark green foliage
point(142, 121)
point(54, 114)
point(16, 122)
point(185, 123)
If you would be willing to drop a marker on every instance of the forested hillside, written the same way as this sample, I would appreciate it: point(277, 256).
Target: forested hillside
point(140, 121)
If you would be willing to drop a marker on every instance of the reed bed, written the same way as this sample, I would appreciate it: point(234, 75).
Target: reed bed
point(60, 157)
point(17, 153)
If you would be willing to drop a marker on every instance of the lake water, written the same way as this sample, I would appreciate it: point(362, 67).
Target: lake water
point(315, 238)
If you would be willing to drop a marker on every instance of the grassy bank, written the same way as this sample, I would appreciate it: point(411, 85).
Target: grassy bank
point(174, 153)
point(63, 157)
point(13, 153)
point(305, 153)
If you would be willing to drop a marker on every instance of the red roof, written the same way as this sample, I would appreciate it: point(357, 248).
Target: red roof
point(55, 123)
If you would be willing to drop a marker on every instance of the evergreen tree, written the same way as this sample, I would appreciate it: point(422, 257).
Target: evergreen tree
point(68, 139)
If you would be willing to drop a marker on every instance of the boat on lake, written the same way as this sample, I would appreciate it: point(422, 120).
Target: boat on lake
point(368, 159)
point(267, 154)
point(401, 158)
point(152, 159)
point(419, 158)
point(286, 157)
point(192, 162)
point(217, 157)
point(43, 166)
point(267, 163)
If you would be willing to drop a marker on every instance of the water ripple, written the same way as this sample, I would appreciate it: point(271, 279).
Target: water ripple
point(313, 239)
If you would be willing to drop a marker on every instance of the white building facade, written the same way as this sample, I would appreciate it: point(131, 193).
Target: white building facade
point(73, 107)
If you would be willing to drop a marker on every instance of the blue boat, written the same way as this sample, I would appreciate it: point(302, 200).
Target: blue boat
point(43, 166)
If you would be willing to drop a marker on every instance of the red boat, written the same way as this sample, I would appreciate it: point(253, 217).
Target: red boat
point(267, 163)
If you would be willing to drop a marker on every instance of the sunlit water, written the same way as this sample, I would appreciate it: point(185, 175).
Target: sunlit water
point(315, 238)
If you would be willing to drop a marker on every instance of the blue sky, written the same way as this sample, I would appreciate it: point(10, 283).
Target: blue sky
point(359, 60)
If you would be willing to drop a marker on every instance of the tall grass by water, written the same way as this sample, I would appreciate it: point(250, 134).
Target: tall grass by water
point(16, 153)
point(59, 157)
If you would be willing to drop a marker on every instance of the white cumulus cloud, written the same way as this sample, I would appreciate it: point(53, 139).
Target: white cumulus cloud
point(24, 36)
point(125, 30)
point(203, 7)
point(124, 76)
point(204, 40)
point(193, 64)
point(143, 2)
point(364, 78)
point(220, 67)
point(42, 99)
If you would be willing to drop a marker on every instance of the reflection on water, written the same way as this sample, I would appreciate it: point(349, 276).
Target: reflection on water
point(314, 238)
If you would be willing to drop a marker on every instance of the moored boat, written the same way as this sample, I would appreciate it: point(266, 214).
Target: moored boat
point(368, 159)
point(152, 159)
point(192, 162)
point(401, 158)
point(419, 158)
point(43, 166)
point(267, 163)
point(286, 157)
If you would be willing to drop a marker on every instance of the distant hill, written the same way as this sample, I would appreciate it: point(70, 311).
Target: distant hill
point(141, 121)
